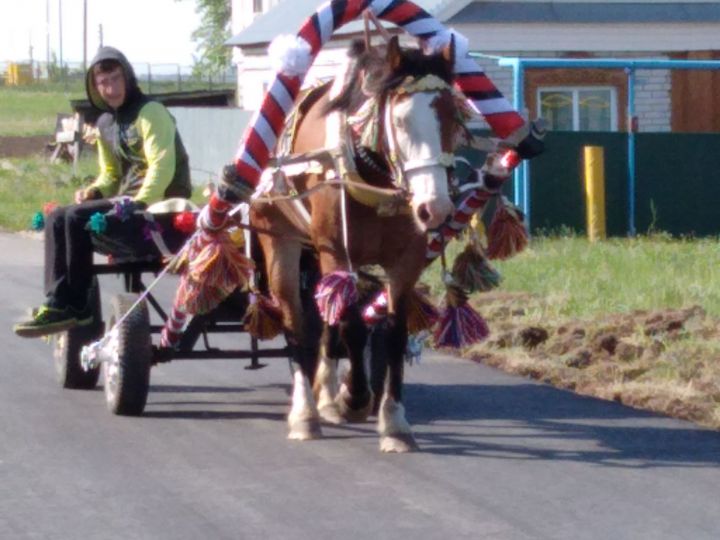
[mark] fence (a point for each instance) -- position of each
(153, 77)
(676, 191)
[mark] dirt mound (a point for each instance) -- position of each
(660, 360)
(18, 147)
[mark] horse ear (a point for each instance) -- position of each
(394, 54)
(448, 52)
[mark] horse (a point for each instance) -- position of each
(407, 99)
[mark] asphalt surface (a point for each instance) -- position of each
(501, 457)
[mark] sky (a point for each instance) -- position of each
(147, 31)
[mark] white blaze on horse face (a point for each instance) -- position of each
(419, 147)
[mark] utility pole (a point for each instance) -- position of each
(62, 67)
(47, 37)
(100, 34)
(84, 35)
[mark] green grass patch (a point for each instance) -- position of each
(579, 279)
(27, 184)
(26, 112)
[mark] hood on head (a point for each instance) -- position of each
(110, 53)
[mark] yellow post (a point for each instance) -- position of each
(595, 192)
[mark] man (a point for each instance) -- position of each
(141, 157)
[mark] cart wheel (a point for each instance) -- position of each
(68, 345)
(126, 375)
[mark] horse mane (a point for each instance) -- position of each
(381, 79)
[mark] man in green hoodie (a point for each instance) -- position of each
(142, 161)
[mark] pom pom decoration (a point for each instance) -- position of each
(473, 272)
(422, 315)
(48, 207)
(37, 223)
(376, 310)
(290, 55)
(460, 325)
(184, 222)
(123, 208)
(213, 268)
(334, 293)
(150, 228)
(97, 223)
(263, 318)
(436, 43)
(507, 234)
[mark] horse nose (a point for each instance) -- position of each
(432, 213)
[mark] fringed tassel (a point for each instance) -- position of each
(507, 234)
(171, 332)
(460, 325)
(472, 270)
(422, 315)
(263, 318)
(334, 293)
(376, 310)
(215, 267)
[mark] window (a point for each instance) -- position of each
(579, 108)
(257, 6)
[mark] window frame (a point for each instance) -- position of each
(575, 89)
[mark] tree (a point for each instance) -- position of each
(211, 35)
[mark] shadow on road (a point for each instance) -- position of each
(529, 421)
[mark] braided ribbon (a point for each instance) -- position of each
(260, 137)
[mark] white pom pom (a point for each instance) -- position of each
(290, 55)
(439, 41)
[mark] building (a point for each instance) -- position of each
(571, 99)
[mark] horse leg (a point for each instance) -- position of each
(282, 259)
(395, 432)
(325, 386)
(355, 399)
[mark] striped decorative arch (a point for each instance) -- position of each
(260, 137)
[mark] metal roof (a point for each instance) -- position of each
(288, 16)
(587, 12)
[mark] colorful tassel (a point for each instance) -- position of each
(507, 234)
(123, 208)
(184, 222)
(38, 222)
(48, 207)
(376, 310)
(460, 325)
(335, 292)
(263, 318)
(150, 228)
(214, 268)
(97, 223)
(422, 315)
(473, 272)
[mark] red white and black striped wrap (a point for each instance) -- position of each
(260, 137)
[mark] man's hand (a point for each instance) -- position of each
(87, 194)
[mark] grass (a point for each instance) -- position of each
(32, 110)
(582, 280)
(27, 184)
(26, 112)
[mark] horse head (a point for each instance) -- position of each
(422, 124)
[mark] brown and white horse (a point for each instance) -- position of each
(417, 120)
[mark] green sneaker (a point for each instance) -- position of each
(47, 320)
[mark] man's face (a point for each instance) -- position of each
(111, 87)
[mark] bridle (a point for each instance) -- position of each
(388, 136)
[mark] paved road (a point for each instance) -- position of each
(502, 457)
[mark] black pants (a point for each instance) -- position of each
(69, 247)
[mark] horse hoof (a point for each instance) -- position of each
(354, 410)
(400, 443)
(305, 430)
(331, 414)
